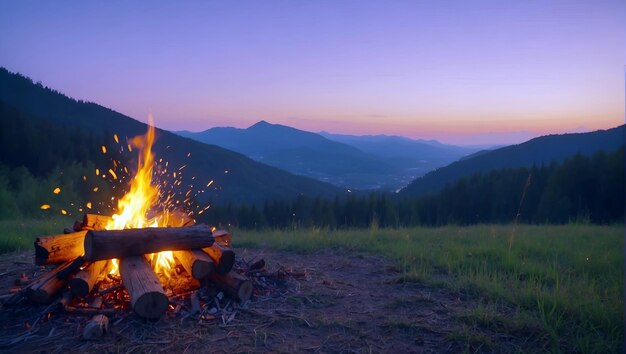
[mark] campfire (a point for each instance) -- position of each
(133, 251)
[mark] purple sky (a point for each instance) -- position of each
(466, 72)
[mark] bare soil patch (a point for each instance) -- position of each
(344, 302)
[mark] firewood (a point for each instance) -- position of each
(147, 296)
(234, 284)
(96, 327)
(223, 257)
(197, 263)
(95, 222)
(84, 280)
(59, 248)
(223, 237)
(49, 284)
(107, 244)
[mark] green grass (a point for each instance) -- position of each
(16, 235)
(564, 282)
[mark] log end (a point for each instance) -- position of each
(41, 255)
(226, 261)
(201, 269)
(151, 305)
(87, 245)
(79, 287)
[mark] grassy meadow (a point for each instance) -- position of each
(562, 286)
(19, 235)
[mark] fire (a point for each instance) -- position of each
(134, 206)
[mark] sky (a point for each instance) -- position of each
(462, 72)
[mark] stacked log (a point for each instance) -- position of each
(147, 296)
(197, 263)
(234, 284)
(83, 252)
(61, 248)
(223, 257)
(82, 283)
(107, 244)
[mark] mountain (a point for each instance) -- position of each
(420, 155)
(236, 177)
(537, 151)
(306, 153)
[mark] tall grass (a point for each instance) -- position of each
(568, 278)
(16, 235)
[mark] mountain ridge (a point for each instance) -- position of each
(236, 177)
(536, 151)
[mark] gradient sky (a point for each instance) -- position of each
(465, 72)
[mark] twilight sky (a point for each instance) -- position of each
(464, 72)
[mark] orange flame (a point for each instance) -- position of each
(134, 206)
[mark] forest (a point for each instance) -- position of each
(580, 189)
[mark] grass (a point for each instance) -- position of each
(18, 235)
(564, 282)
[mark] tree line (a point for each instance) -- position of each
(587, 189)
(38, 156)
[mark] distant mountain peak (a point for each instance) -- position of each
(260, 124)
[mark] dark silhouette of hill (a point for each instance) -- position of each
(305, 153)
(237, 178)
(405, 152)
(537, 151)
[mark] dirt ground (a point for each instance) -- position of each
(338, 302)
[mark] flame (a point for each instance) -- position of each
(114, 266)
(134, 206)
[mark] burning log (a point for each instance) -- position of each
(95, 222)
(83, 281)
(223, 257)
(59, 248)
(147, 296)
(48, 285)
(197, 263)
(107, 244)
(234, 284)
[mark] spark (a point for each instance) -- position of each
(116, 139)
(104, 149)
(57, 190)
(45, 207)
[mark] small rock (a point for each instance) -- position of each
(96, 327)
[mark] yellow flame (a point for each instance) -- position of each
(134, 206)
(164, 262)
(114, 266)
